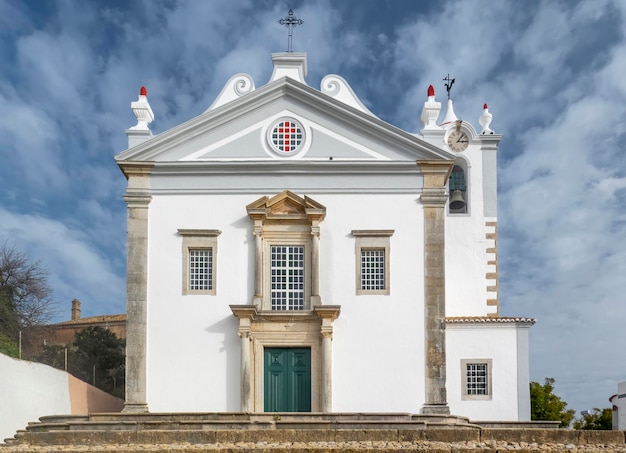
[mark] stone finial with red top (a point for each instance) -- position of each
(430, 111)
(485, 120)
(142, 110)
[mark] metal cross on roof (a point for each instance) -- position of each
(449, 84)
(290, 22)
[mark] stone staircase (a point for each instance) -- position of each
(311, 433)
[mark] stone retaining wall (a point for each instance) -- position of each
(314, 441)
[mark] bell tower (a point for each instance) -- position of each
(471, 211)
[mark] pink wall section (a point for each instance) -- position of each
(85, 398)
(31, 390)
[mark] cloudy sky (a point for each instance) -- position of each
(551, 71)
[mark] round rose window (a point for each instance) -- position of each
(286, 137)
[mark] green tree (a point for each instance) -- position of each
(545, 405)
(53, 355)
(8, 346)
(99, 358)
(596, 419)
(25, 295)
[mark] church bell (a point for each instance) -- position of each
(456, 200)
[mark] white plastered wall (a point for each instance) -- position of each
(466, 249)
(30, 390)
(506, 344)
(193, 348)
(620, 401)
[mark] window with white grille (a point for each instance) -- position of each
(201, 270)
(476, 374)
(287, 277)
(372, 269)
(199, 261)
(372, 248)
(476, 379)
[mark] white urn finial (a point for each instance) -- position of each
(143, 112)
(485, 120)
(430, 111)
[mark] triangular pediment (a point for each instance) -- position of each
(241, 131)
(286, 204)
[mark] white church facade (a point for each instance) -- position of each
(288, 251)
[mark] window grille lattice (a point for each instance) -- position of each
(287, 277)
(477, 379)
(286, 136)
(201, 269)
(373, 269)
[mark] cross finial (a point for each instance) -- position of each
(449, 84)
(290, 22)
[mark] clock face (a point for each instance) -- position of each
(458, 140)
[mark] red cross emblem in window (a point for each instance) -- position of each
(286, 136)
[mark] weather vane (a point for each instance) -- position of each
(290, 22)
(449, 84)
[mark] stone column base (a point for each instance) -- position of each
(135, 408)
(435, 409)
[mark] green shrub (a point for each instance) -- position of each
(8, 346)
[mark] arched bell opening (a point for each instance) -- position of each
(457, 191)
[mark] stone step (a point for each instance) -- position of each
(164, 437)
(217, 421)
(114, 416)
(281, 429)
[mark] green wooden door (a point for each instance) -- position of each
(287, 380)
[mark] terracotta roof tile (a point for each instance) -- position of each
(100, 319)
(488, 320)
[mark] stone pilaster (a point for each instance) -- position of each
(137, 200)
(258, 262)
(245, 372)
(327, 314)
(246, 315)
(434, 198)
(315, 265)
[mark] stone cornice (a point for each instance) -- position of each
(433, 197)
(374, 233)
(321, 167)
(330, 312)
(137, 200)
(131, 168)
(490, 141)
(319, 312)
(436, 173)
(192, 232)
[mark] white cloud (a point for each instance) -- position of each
(77, 269)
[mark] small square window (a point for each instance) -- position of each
(372, 267)
(476, 379)
(199, 264)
